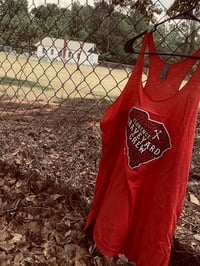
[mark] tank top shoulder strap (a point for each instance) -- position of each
(148, 42)
(147, 46)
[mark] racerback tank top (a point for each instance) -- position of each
(147, 140)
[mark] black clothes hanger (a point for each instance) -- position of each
(128, 47)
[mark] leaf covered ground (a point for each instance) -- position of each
(49, 157)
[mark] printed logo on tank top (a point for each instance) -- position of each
(146, 139)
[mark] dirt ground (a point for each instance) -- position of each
(49, 157)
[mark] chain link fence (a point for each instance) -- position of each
(62, 63)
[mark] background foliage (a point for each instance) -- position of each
(108, 24)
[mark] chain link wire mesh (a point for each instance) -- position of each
(62, 63)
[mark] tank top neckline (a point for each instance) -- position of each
(150, 43)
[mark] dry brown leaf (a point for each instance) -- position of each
(197, 237)
(56, 196)
(18, 258)
(194, 199)
(3, 258)
(31, 198)
(49, 249)
(123, 258)
(3, 235)
(52, 262)
(46, 231)
(34, 226)
(28, 260)
(70, 250)
(7, 245)
(80, 257)
(2, 182)
(97, 261)
(16, 238)
(63, 226)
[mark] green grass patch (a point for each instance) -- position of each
(47, 81)
(20, 82)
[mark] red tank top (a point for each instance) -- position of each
(147, 139)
